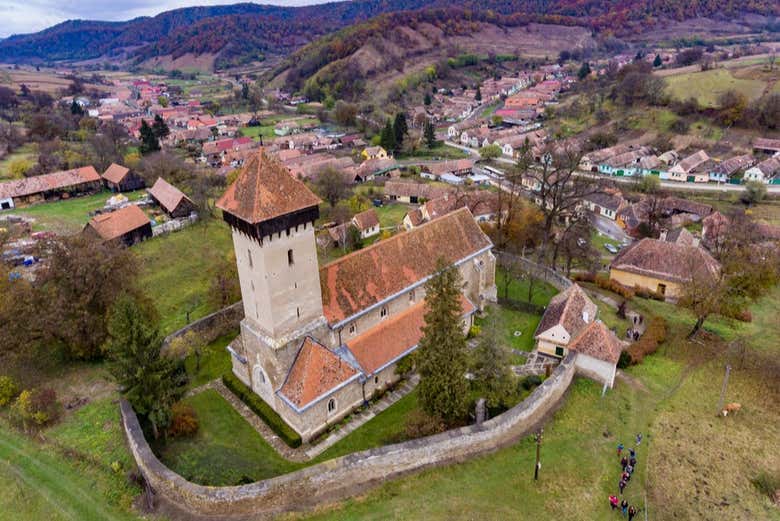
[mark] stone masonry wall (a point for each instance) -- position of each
(349, 475)
(211, 326)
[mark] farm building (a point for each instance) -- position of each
(411, 192)
(127, 225)
(49, 186)
(118, 178)
(766, 145)
(660, 266)
(457, 167)
(171, 199)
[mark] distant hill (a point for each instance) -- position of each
(244, 32)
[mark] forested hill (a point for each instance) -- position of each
(241, 32)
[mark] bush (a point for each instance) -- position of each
(262, 409)
(531, 381)
(8, 390)
(649, 294)
(474, 330)
(624, 360)
(654, 335)
(743, 315)
(584, 277)
(184, 421)
(615, 287)
(35, 408)
(419, 425)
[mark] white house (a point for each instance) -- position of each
(367, 223)
(764, 171)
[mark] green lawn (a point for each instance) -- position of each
(214, 362)
(175, 270)
(68, 216)
(706, 86)
(440, 151)
(518, 289)
(225, 451)
(256, 132)
(28, 152)
(39, 481)
(691, 465)
(391, 215)
(513, 321)
(385, 428)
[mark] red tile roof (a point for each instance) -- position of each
(664, 260)
(599, 342)
(265, 190)
(115, 224)
(47, 182)
(115, 173)
(366, 220)
(568, 309)
(368, 276)
(316, 371)
(167, 195)
(393, 337)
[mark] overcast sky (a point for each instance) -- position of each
(28, 16)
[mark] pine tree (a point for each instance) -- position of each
(151, 382)
(584, 71)
(429, 133)
(427, 100)
(159, 127)
(400, 130)
(76, 109)
(478, 95)
(149, 142)
(658, 61)
(441, 359)
(491, 365)
(387, 137)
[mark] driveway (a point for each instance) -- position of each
(610, 228)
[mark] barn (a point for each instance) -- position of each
(171, 199)
(118, 178)
(127, 225)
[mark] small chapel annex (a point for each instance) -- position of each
(318, 341)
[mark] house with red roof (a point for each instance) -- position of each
(317, 341)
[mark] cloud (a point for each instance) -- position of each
(27, 16)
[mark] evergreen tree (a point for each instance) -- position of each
(427, 100)
(245, 90)
(400, 130)
(76, 109)
(491, 365)
(441, 359)
(584, 71)
(429, 133)
(149, 142)
(151, 382)
(387, 137)
(159, 127)
(478, 95)
(658, 61)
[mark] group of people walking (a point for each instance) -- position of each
(628, 465)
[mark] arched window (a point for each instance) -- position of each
(331, 405)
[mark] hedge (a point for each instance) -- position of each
(262, 409)
(648, 343)
(614, 286)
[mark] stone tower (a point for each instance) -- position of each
(272, 216)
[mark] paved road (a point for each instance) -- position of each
(610, 229)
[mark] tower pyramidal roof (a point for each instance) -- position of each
(264, 190)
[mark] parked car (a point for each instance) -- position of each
(611, 248)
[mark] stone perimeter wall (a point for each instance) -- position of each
(349, 475)
(211, 326)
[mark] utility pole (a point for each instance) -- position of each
(538, 465)
(723, 388)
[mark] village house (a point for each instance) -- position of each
(57, 185)
(127, 226)
(764, 172)
(118, 178)
(376, 152)
(413, 193)
(367, 223)
(725, 170)
(456, 167)
(171, 199)
(692, 169)
(661, 266)
(483, 205)
(766, 146)
(605, 204)
(318, 341)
